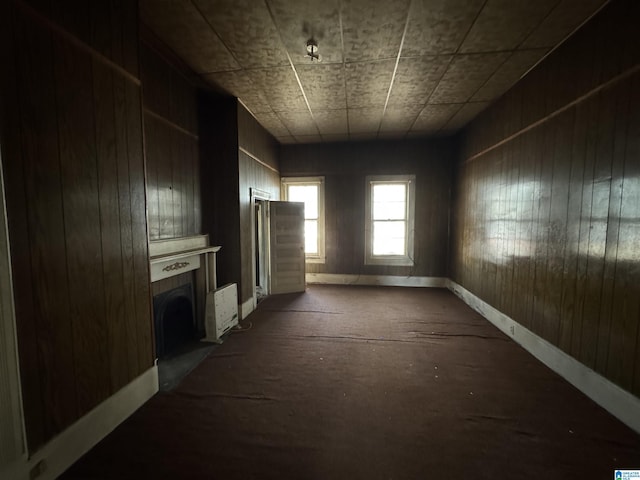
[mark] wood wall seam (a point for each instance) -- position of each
(169, 123)
(57, 29)
(609, 83)
(253, 157)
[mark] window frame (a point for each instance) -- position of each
(319, 181)
(400, 260)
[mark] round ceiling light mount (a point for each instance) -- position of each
(312, 50)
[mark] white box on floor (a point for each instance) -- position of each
(221, 313)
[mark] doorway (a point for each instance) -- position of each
(260, 242)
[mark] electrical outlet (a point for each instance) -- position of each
(512, 330)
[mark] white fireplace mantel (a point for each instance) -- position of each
(179, 255)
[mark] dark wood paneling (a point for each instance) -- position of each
(171, 144)
(257, 169)
(345, 166)
(110, 225)
(81, 210)
(76, 209)
(571, 129)
(219, 181)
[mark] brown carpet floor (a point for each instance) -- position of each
(366, 383)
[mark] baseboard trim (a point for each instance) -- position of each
(372, 280)
(246, 308)
(617, 401)
(60, 453)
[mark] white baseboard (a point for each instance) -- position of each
(617, 401)
(247, 307)
(381, 280)
(60, 453)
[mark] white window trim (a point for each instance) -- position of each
(400, 260)
(285, 182)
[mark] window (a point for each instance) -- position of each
(310, 191)
(389, 220)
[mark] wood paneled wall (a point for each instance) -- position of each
(218, 126)
(172, 156)
(258, 168)
(72, 152)
(546, 223)
(345, 166)
(237, 155)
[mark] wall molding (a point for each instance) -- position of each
(60, 453)
(373, 280)
(594, 91)
(74, 40)
(617, 401)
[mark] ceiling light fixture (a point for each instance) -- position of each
(312, 49)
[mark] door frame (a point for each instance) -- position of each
(262, 196)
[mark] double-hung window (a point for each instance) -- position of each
(310, 191)
(390, 206)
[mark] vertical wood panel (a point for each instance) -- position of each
(69, 207)
(82, 223)
(578, 203)
(46, 226)
(126, 242)
(110, 226)
(139, 227)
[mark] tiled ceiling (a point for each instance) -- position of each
(388, 69)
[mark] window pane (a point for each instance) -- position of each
(307, 194)
(389, 238)
(389, 201)
(311, 237)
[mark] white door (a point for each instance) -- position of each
(286, 234)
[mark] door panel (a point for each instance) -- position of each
(286, 231)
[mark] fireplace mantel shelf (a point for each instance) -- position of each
(185, 253)
(174, 256)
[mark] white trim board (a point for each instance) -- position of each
(60, 453)
(617, 401)
(373, 280)
(247, 307)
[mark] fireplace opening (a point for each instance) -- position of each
(174, 319)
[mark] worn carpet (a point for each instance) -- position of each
(366, 383)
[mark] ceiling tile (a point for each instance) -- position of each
(504, 24)
(298, 123)
(246, 28)
(272, 123)
(416, 78)
(399, 119)
(238, 84)
(465, 75)
(439, 26)
(508, 73)
(373, 30)
(363, 120)
(288, 140)
(331, 121)
(434, 117)
(565, 18)
(323, 85)
(301, 20)
(464, 115)
(280, 88)
(181, 26)
(368, 83)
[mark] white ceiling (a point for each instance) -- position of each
(389, 69)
